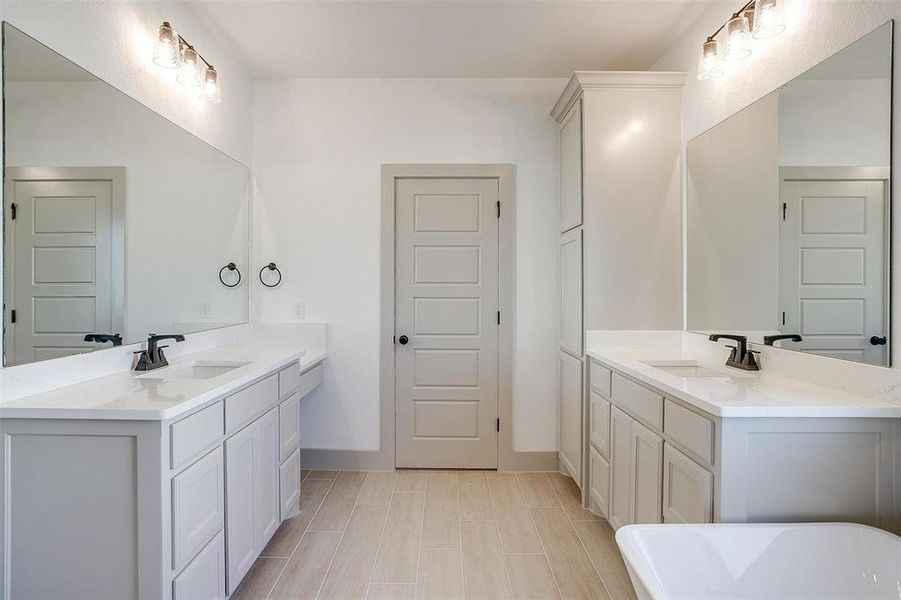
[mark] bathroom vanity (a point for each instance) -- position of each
(677, 437)
(166, 484)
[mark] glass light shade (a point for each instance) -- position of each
(189, 71)
(768, 19)
(166, 52)
(209, 91)
(709, 66)
(738, 39)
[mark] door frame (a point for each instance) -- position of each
(117, 178)
(841, 173)
(505, 174)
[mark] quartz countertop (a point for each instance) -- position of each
(131, 395)
(740, 393)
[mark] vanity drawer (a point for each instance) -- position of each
(310, 379)
(198, 507)
(288, 380)
(643, 403)
(599, 378)
(289, 480)
(192, 435)
(205, 576)
(252, 401)
(289, 425)
(600, 424)
(689, 429)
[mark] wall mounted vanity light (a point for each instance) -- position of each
(756, 20)
(172, 51)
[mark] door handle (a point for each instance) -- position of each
(402, 340)
(878, 341)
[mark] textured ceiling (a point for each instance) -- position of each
(460, 38)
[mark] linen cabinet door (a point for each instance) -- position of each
(240, 463)
(620, 503)
(267, 505)
(647, 475)
(571, 292)
(571, 170)
(571, 415)
(687, 489)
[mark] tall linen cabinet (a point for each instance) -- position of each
(620, 230)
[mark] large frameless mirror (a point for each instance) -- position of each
(116, 221)
(788, 208)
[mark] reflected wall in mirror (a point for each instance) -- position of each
(117, 221)
(788, 211)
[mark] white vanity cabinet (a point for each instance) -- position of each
(620, 141)
(659, 459)
(174, 508)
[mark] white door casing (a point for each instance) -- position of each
(834, 261)
(65, 250)
(446, 304)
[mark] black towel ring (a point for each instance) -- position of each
(271, 266)
(231, 267)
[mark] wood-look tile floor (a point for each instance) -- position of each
(438, 534)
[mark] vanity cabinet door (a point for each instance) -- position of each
(239, 509)
(599, 484)
(620, 503)
(687, 489)
(647, 475)
(571, 292)
(267, 500)
(571, 415)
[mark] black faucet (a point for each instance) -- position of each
(153, 357)
(101, 338)
(769, 339)
(741, 357)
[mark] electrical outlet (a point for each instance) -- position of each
(206, 310)
(300, 310)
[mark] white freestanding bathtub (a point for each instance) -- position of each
(785, 561)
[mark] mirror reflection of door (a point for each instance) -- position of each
(833, 237)
(65, 259)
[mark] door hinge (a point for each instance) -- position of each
(14, 210)
(498, 317)
(784, 208)
(498, 209)
(498, 424)
(12, 316)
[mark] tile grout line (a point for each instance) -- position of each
(341, 539)
(497, 530)
(303, 535)
(582, 544)
(541, 541)
(425, 497)
(378, 547)
(460, 530)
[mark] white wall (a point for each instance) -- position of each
(816, 29)
(318, 147)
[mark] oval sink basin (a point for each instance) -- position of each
(197, 369)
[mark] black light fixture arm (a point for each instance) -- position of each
(199, 55)
(747, 5)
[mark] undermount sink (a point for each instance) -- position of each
(197, 369)
(685, 368)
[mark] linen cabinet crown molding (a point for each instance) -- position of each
(599, 80)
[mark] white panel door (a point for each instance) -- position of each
(571, 292)
(61, 267)
(446, 315)
(833, 267)
(571, 170)
(571, 415)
